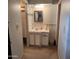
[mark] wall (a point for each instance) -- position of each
(49, 17)
(49, 12)
(24, 19)
(24, 28)
(63, 42)
(15, 28)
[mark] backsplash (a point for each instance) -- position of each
(39, 26)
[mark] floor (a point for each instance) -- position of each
(40, 53)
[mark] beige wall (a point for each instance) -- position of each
(23, 18)
(49, 12)
(49, 17)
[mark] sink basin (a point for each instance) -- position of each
(39, 30)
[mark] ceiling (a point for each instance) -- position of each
(42, 1)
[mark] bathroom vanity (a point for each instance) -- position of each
(40, 15)
(39, 32)
(39, 38)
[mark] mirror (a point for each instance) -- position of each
(38, 16)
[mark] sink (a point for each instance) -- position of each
(39, 30)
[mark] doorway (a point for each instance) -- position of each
(33, 51)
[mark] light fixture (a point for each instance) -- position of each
(39, 5)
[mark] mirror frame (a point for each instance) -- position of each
(38, 16)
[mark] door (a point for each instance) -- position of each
(37, 39)
(63, 41)
(9, 47)
(15, 29)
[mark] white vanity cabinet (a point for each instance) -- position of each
(35, 38)
(45, 39)
(39, 38)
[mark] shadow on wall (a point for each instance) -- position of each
(52, 34)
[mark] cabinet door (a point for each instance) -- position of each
(31, 39)
(37, 39)
(15, 29)
(45, 39)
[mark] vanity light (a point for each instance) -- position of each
(39, 5)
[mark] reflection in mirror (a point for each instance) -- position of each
(38, 16)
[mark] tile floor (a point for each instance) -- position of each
(40, 53)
